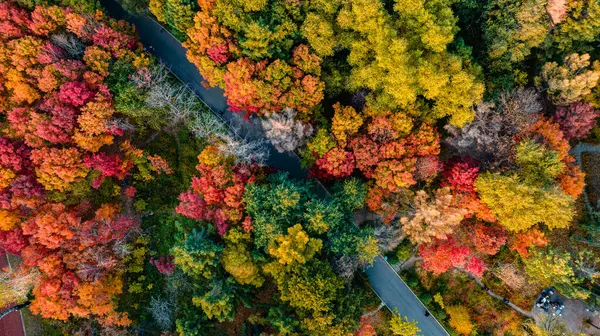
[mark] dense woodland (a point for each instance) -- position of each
(436, 132)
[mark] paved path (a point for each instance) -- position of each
(397, 295)
(11, 324)
(172, 54)
(576, 152)
(384, 281)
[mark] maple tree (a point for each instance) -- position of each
(56, 113)
(442, 255)
(386, 151)
(488, 239)
(217, 194)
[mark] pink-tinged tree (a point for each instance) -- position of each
(576, 119)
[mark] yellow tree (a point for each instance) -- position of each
(295, 247)
(551, 268)
(460, 319)
(519, 206)
(402, 326)
(571, 81)
(238, 261)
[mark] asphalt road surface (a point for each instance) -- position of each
(171, 53)
(397, 295)
(385, 282)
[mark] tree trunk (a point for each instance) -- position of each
(409, 263)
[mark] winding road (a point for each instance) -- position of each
(386, 283)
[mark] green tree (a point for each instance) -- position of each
(199, 255)
(580, 28)
(274, 207)
(217, 302)
(131, 102)
(139, 7)
(513, 29)
(321, 216)
(351, 194)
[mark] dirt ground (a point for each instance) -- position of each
(572, 317)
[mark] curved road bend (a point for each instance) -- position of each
(390, 288)
(11, 324)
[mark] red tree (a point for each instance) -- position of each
(488, 239)
(216, 194)
(443, 255)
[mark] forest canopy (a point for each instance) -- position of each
(453, 138)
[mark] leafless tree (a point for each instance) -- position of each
(206, 124)
(241, 140)
(162, 312)
(70, 44)
(99, 259)
(359, 99)
(180, 103)
(551, 323)
(121, 124)
(16, 284)
(389, 235)
(490, 137)
(284, 131)
(345, 266)
(244, 142)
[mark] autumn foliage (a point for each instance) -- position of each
(56, 112)
(216, 194)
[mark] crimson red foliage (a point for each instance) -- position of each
(13, 241)
(460, 176)
(164, 265)
(75, 93)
